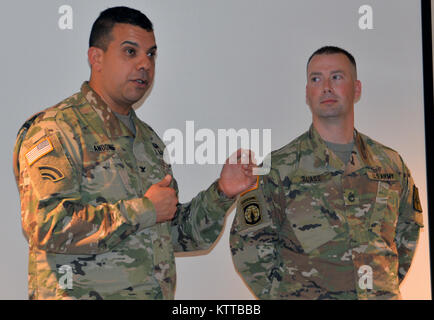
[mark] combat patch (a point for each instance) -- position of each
(39, 150)
(416, 202)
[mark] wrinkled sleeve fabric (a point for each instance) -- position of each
(198, 223)
(255, 244)
(55, 216)
(410, 221)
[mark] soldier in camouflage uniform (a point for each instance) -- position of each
(329, 223)
(97, 198)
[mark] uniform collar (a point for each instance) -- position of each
(361, 155)
(111, 124)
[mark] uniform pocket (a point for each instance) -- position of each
(105, 179)
(306, 211)
(385, 212)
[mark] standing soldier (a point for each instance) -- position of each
(338, 217)
(97, 199)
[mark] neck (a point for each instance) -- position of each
(335, 132)
(121, 109)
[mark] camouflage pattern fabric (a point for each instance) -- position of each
(315, 228)
(82, 175)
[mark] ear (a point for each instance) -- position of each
(306, 95)
(95, 56)
(358, 91)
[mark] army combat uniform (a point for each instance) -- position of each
(82, 176)
(315, 228)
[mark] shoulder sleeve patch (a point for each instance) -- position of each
(49, 169)
(251, 211)
(39, 150)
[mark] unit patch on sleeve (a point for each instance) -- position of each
(251, 210)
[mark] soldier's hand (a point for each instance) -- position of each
(236, 175)
(163, 198)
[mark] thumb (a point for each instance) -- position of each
(165, 181)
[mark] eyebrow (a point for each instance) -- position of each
(320, 73)
(135, 44)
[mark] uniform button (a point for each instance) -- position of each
(351, 197)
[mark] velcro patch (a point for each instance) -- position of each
(416, 202)
(38, 151)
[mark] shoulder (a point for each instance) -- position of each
(286, 158)
(382, 154)
(151, 134)
(47, 120)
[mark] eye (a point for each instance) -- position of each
(130, 51)
(152, 54)
(315, 79)
(337, 77)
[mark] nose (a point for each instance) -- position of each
(327, 86)
(144, 63)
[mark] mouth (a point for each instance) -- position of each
(142, 83)
(329, 101)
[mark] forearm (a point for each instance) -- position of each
(257, 259)
(198, 223)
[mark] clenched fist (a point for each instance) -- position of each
(163, 198)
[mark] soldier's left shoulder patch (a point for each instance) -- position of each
(251, 209)
(416, 202)
(39, 150)
(252, 213)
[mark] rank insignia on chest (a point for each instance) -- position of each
(251, 210)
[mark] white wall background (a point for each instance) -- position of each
(223, 64)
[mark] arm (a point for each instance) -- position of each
(409, 223)
(56, 217)
(255, 245)
(198, 223)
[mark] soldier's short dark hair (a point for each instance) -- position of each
(100, 35)
(333, 50)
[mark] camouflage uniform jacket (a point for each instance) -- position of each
(82, 176)
(315, 228)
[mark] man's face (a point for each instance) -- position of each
(126, 69)
(332, 87)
